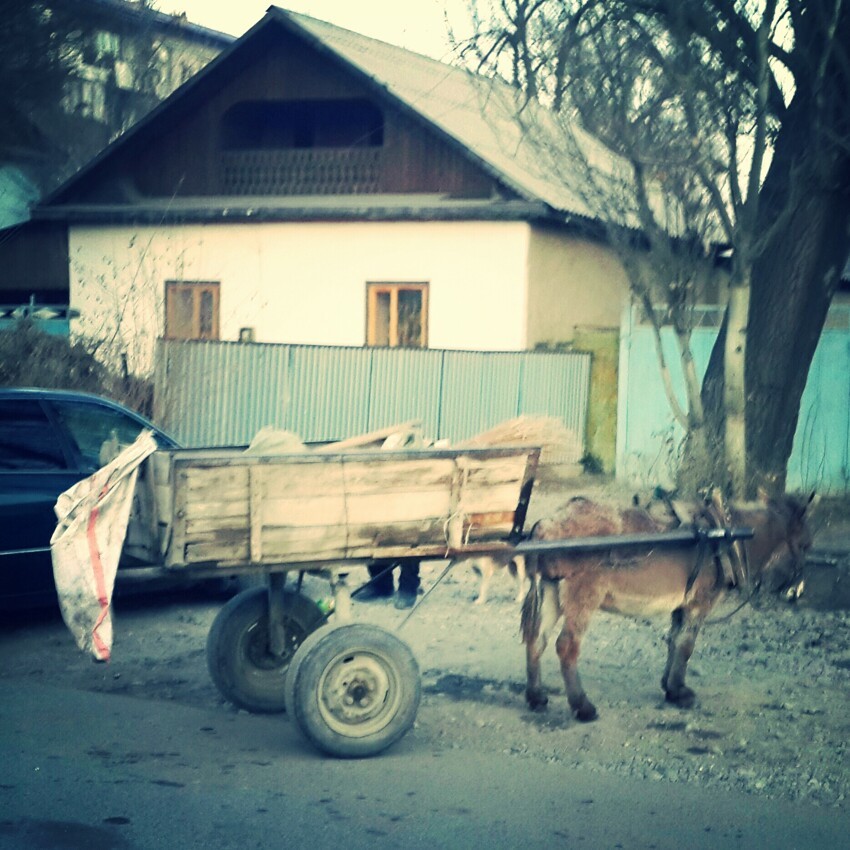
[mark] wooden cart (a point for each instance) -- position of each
(352, 688)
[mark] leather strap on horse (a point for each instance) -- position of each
(729, 556)
(733, 558)
(700, 560)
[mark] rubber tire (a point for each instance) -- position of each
(244, 673)
(322, 665)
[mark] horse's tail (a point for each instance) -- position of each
(531, 605)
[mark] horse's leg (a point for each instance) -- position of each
(578, 605)
(540, 612)
(485, 569)
(521, 580)
(684, 628)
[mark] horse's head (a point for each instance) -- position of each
(781, 541)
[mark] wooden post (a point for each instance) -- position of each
(255, 512)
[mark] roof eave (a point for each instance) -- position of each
(226, 214)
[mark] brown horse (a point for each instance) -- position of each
(687, 579)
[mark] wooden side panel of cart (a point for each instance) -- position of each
(231, 510)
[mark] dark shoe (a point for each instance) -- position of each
(369, 594)
(405, 600)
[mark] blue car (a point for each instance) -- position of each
(49, 440)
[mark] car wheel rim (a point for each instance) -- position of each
(255, 646)
(359, 693)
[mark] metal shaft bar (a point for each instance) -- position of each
(619, 541)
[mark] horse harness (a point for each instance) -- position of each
(729, 555)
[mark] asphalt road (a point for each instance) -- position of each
(97, 771)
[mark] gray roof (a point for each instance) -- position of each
(477, 111)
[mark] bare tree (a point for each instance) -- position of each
(727, 123)
(32, 68)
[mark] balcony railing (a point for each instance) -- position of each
(311, 171)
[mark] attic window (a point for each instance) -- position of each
(292, 125)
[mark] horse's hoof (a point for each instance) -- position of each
(537, 701)
(586, 712)
(586, 715)
(683, 698)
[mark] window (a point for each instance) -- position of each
(106, 44)
(397, 315)
(290, 125)
(90, 425)
(27, 439)
(191, 309)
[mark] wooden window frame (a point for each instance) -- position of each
(373, 290)
(196, 287)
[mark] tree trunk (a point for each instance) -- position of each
(703, 462)
(734, 385)
(803, 262)
(804, 227)
(793, 281)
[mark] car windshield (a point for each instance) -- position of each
(91, 426)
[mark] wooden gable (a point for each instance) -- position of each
(280, 116)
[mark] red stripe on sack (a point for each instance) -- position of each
(99, 579)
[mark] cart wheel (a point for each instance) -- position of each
(238, 656)
(353, 689)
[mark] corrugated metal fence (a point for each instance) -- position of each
(222, 393)
(648, 441)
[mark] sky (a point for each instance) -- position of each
(417, 25)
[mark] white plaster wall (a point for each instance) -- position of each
(572, 283)
(304, 282)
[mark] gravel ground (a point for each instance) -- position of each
(772, 681)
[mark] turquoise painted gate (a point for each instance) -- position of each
(648, 440)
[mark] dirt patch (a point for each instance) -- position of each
(773, 682)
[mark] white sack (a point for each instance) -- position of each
(86, 545)
(275, 441)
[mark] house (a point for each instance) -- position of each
(122, 58)
(311, 185)
(314, 185)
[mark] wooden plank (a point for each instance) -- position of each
(386, 474)
(485, 499)
(372, 437)
(287, 544)
(211, 523)
(454, 519)
(225, 535)
(298, 480)
(256, 487)
(483, 472)
(204, 552)
(163, 506)
(202, 510)
(218, 480)
(419, 533)
(487, 530)
(325, 510)
(195, 458)
(494, 519)
(175, 551)
(306, 543)
(394, 508)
